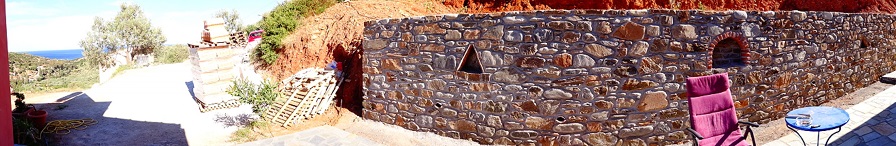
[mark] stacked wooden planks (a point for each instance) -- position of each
(310, 92)
(213, 70)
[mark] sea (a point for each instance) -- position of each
(59, 54)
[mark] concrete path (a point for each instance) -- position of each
(145, 106)
(319, 136)
(871, 123)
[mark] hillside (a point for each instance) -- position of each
(29, 73)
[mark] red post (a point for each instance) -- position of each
(6, 138)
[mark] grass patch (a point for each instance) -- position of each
(33, 74)
(123, 68)
(280, 22)
(172, 54)
(254, 131)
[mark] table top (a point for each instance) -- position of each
(826, 118)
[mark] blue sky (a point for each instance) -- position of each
(35, 25)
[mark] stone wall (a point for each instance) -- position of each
(602, 77)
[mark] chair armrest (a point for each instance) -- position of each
(694, 132)
(751, 124)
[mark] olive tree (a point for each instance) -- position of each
(130, 31)
(231, 20)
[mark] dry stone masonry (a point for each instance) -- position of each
(606, 77)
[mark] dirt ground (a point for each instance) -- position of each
(375, 131)
(776, 129)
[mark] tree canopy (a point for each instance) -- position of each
(231, 20)
(129, 31)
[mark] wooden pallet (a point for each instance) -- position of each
(311, 92)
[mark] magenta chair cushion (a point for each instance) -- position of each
(712, 110)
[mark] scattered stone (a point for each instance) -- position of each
(494, 33)
(650, 65)
(653, 30)
(539, 123)
(560, 25)
(684, 31)
(523, 134)
(653, 101)
(471, 34)
(514, 19)
(530, 62)
(798, 16)
(452, 35)
(635, 131)
(600, 116)
(557, 94)
(638, 49)
(570, 37)
(739, 15)
(714, 30)
(513, 36)
(583, 60)
(375, 44)
(563, 60)
(569, 128)
(598, 50)
(392, 64)
(631, 31)
(751, 30)
(600, 138)
(603, 27)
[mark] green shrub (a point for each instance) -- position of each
(281, 21)
(260, 96)
(172, 54)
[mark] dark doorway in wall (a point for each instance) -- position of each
(727, 53)
(470, 62)
(349, 94)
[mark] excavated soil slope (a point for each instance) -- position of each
(851, 6)
(335, 34)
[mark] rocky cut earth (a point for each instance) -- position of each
(604, 77)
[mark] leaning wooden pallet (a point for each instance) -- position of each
(283, 106)
(329, 99)
(307, 102)
(312, 90)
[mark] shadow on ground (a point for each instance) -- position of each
(877, 131)
(108, 130)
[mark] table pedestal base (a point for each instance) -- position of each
(817, 139)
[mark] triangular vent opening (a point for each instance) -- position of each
(470, 62)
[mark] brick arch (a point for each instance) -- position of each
(737, 37)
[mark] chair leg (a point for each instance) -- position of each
(751, 135)
(695, 141)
